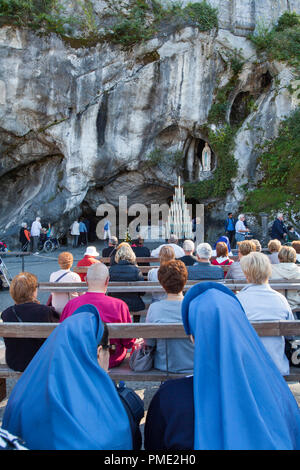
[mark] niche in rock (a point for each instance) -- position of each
(199, 159)
(241, 108)
(265, 80)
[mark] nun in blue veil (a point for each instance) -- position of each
(223, 239)
(64, 400)
(237, 398)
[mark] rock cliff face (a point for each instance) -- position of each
(77, 126)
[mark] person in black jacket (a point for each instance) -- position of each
(188, 247)
(23, 290)
(124, 270)
(141, 251)
(279, 230)
(111, 248)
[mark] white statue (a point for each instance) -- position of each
(206, 158)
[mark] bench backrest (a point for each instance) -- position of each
(149, 287)
(142, 330)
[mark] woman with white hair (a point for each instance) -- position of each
(262, 303)
(24, 236)
(240, 228)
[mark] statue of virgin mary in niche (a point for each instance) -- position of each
(206, 158)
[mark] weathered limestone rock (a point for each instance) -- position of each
(78, 125)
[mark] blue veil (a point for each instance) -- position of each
(241, 400)
(64, 400)
(225, 240)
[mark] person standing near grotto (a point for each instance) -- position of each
(230, 227)
(35, 234)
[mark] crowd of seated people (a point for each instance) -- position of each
(84, 397)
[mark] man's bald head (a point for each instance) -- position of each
(97, 277)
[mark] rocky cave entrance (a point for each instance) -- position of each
(196, 165)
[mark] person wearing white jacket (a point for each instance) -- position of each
(75, 232)
(173, 242)
(288, 270)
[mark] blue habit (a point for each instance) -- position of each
(241, 401)
(225, 240)
(64, 400)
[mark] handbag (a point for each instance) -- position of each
(142, 357)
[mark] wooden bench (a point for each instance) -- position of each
(150, 287)
(144, 269)
(136, 330)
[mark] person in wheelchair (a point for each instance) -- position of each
(48, 242)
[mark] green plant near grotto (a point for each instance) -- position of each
(279, 163)
(282, 41)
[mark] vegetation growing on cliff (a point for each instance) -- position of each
(280, 166)
(282, 41)
(48, 15)
(128, 24)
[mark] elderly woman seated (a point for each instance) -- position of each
(23, 290)
(261, 303)
(244, 248)
(166, 254)
(60, 299)
(288, 270)
(124, 270)
(274, 248)
(174, 355)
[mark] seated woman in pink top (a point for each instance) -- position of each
(111, 310)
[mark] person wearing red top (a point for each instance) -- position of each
(222, 258)
(88, 259)
(111, 310)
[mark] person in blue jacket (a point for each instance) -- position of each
(236, 399)
(64, 400)
(230, 227)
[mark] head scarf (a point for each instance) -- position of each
(223, 239)
(241, 400)
(64, 400)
